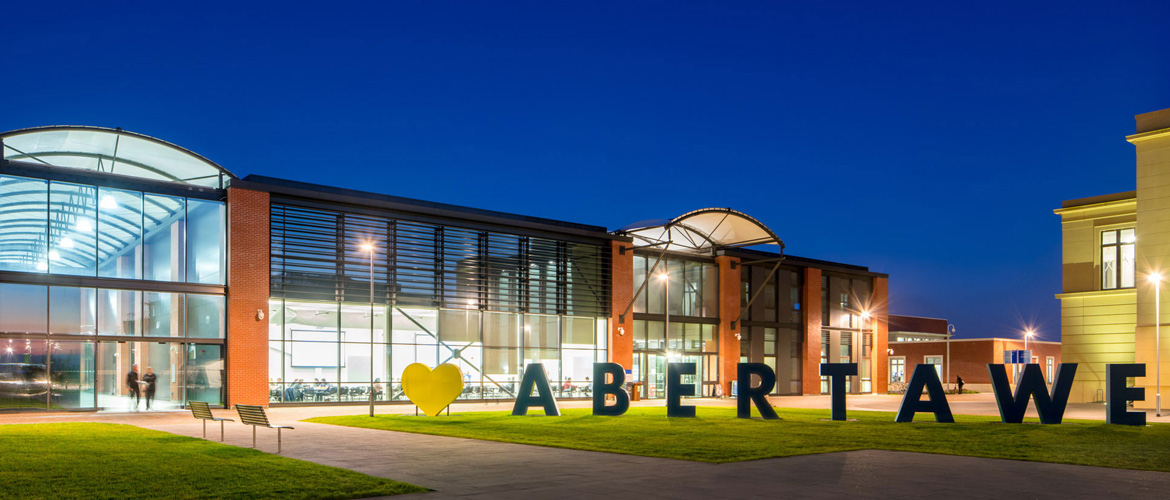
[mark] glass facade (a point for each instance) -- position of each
(320, 351)
(772, 331)
(80, 230)
(488, 301)
(90, 269)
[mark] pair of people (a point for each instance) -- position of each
(133, 383)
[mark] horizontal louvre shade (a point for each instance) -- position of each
(317, 255)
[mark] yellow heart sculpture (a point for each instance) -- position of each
(431, 391)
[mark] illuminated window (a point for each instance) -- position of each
(1117, 257)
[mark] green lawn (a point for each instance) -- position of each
(85, 460)
(717, 436)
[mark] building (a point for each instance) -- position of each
(968, 359)
(118, 249)
(1111, 245)
(917, 328)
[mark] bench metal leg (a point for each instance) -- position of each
(204, 429)
(278, 441)
(253, 436)
(220, 430)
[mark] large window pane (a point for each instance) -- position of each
(355, 323)
(639, 277)
(23, 308)
(541, 331)
(501, 329)
(24, 216)
(501, 368)
(676, 285)
(692, 289)
(206, 241)
(1127, 265)
(579, 333)
(163, 314)
(415, 326)
(205, 373)
(163, 227)
(119, 312)
(119, 233)
(73, 229)
(71, 372)
(710, 290)
(205, 316)
(72, 310)
(458, 327)
(25, 369)
(577, 366)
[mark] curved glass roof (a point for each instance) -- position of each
(113, 151)
(704, 231)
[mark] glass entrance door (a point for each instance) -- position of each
(650, 370)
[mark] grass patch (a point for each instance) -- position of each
(717, 436)
(112, 461)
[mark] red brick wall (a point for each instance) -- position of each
(810, 301)
(969, 358)
(879, 321)
(729, 307)
(621, 347)
(248, 275)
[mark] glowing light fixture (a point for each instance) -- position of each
(84, 225)
(108, 202)
(42, 266)
(66, 242)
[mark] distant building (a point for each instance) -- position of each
(1111, 244)
(915, 340)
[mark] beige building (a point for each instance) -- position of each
(1111, 245)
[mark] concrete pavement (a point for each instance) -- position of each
(463, 468)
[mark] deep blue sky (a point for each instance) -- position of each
(929, 141)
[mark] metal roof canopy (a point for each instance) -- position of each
(704, 231)
(112, 150)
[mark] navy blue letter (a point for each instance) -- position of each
(837, 373)
(534, 377)
(925, 375)
(675, 389)
(601, 389)
(748, 395)
(1117, 394)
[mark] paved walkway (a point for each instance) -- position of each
(466, 468)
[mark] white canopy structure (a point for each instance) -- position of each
(113, 151)
(704, 231)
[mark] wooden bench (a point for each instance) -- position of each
(202, 411)
(254, 416)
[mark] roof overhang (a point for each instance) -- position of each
(704, 231)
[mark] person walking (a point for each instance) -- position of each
(150, 379)
(132, 385)
(960, 380)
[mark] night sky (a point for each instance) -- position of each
(927, 141)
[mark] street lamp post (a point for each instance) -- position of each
(369, 247)
(1020, 371)
(950, 332)
(1156, 279)
(861, 342)
(665, 309)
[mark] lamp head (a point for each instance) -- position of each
(1154, 277)
(662, 276)
(864, 314)
(1029, 333)
(367, 247)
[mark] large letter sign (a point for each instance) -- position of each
(601, 389)
(837, 373)
(1050, 409)
(675, 389)
(1117, 394)
(534, 377)
(748, 395)
(925, 375)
